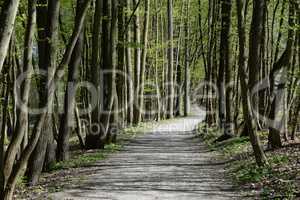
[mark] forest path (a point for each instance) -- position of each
(168, 163)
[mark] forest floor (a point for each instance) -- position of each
(280, 179)
(168, 162)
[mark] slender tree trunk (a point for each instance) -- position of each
(36, 132)
(158, 96)
(187, 63)
(7, 19)
(129, 67)
(137, 65)
(279, 103)
(67, 119)
(144, 57)
(37, 159)
(170, 84)
(5, 91)
(253, 64)
(121, 69)
(224, 69)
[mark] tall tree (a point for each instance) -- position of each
(129, 68)
(7, 19)
(224, 69)
(91, 137)
(187, 62)
(170, 83)
(12, 169)
(144, 57)
(278, 85)
(48, 66)
(137, 62)
(67, 119)
(254, 65)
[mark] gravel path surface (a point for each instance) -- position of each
(168, 163)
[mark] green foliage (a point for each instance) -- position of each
(235, 145)
(273, 182)
(80, 161)
(253, 173)
(112, 148)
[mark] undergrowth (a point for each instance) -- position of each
(273, 181)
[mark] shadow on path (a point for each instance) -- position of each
(168, 163)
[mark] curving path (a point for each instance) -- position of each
(168, 163)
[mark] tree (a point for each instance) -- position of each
(170, 83)
(279, 103)
(254, 64)
(137, 63)
(224, 69)
(12, 169)
(187, 63)
(143, 61)
(7, 19)
(67, 119)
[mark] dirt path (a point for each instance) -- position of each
(168, 163)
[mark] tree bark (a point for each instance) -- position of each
(253, 64)
(143, 61)
(187, 63)
(137, 65)
(17, 168)
(67, 120)
(279, 103)
(170, 84)
(7, 19)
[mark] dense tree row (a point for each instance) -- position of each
(264, 72)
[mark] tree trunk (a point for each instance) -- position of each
(67, 120)
(170, 84)
(37, 159)
(137, 66)
(253, 64)
(187, 63)
(129, 78)
(279, 103)
(36, 132)
(143, 61)
(7, 19)
(224, 69)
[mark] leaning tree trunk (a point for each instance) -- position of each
(36, 132)
(37, 159)
(67, 120)
(279, 104)
(7, 20)
(22, 114)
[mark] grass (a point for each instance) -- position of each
(89, 158)
(79, 161)
(86, 159)
(274, 181)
